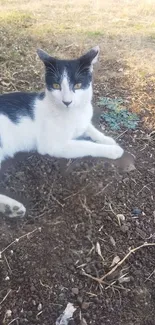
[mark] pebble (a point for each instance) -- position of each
(124, 228)
(34, 302)
(29, 313)
(88, 259)
(7, 278)
(40, 306)
(32, 288)
(8, 313)
(75, 291)
(79, 299)
(136, 211)
(87, 269)
(85, 305)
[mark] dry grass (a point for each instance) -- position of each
(124, 29)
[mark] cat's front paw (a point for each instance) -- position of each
(108, 140)
(15, 209)
(116, 152)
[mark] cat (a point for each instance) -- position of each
(52, 121)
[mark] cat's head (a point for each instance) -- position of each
(69, 82)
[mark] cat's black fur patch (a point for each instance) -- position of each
(78, 71)
(18, 104)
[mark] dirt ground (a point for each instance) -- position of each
(82, 216)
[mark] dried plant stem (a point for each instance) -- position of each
(133, 250)
(17, 239)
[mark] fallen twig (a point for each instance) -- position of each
(125, 257)
(101, 280)
(17, 239)
(5, 296)
(13, 320)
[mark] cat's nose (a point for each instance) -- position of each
(67, 103)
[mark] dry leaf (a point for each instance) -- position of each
(123, 279)
(112, 241)
(120, 218)
(115, 261)
(98, 250)
(130, 168)
(64, 318)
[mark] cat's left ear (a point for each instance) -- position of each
(45, 57)
(91, 57)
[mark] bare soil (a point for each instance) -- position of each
(70, 212)
(73, 209)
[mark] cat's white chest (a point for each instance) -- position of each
(57, 127)
(69, 124)
(77, 122)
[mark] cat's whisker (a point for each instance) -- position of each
(81, 71)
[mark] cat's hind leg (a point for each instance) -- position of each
(10, 207)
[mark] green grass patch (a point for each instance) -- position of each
(94, 33)
(19, 18)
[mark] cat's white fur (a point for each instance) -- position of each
(54, 131)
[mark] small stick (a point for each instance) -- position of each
(13, 320)
(7, 264)
(71, 195)
(114, 214)
(120, 135)
(124, 259)
(5, 297)
(101, 191)
(17, 239)
(100, 280)
(84, 205)
(150, 276)
(56, 200)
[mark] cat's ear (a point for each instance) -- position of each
(45, 57)
(91, 57)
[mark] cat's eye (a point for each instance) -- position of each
(56, 86)
(77, 86)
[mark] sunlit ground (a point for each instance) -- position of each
(125, 31)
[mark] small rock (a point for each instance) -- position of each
(88, 259)
(79, 299)
(34, 302)
(85, 305)
(75, 291)
(8, 313)
(29, 313)
(87, 269)
(112, 241)
(7, 278)
(32, 288)
(136, 211)
(40, 306)
(125, 228)
(62, 296)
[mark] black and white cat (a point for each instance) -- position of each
(51, 122)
